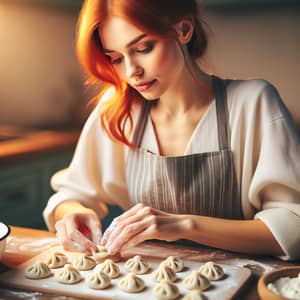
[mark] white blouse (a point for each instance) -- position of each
(266, 151)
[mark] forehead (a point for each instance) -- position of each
(115, 33)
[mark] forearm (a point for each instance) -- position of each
(245, 236)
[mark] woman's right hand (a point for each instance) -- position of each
(79, 229)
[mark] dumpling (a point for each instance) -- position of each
(131, 283)
(56, 260)
(164, 272)
(194, 295)
(137, 265)
(175, 263)
(68, 275)
(110, 268)
(38, 270)
(211, 270)
(166, 290)
(84, 262)
(102, 255)
(196, 281)
(98, 280)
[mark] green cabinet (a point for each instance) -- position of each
(25, 188)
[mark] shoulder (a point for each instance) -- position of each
(255, 96)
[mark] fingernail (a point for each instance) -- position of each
(111, 251)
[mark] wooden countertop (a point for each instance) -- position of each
(24, 243)
(38, 143)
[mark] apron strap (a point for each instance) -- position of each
(141, 123)
(219, 87)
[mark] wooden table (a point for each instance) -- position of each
(24, 243)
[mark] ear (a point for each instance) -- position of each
(184, 29)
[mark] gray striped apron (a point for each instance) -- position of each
(201, 183)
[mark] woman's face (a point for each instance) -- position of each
(149, 64)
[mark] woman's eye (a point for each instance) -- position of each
(115, 61)
(145, 48)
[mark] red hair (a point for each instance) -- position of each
(155, 17)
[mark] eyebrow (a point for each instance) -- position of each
(134, 41)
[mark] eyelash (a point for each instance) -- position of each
(147, 48)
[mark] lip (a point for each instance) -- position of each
(144, 86)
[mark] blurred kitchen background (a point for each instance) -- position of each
(43, 99)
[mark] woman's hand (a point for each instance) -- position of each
(79, 231)
(142, 223)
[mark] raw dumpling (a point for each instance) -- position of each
(98, 280)
(110, 268)
(175, 263)
(38, 270)
(131, 283)
(194, 295)
(84, 262)
(196, 281)
(56, 260)
(68, 274)
(164, 272)
(212, 271)
(136, 265)
(102, 255)
(166, 290)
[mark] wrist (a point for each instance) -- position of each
(188, 226)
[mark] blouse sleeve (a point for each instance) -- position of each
(274, 189)
(95, 175)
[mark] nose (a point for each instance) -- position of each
(133, 69)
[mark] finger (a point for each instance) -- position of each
(118, 228)
(96, 230)
(147, 234)
(127, 234)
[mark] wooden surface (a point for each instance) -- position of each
(39, 143)
(25, 243)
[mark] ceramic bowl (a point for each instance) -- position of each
(264, 292)
(4, 232)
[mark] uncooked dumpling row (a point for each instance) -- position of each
(98, 280)
(136, 265)
(175, 263)
(68, 275)
(194, 295)
(110, 268)
(212, 271)
(131, 283)
(163, 272)
(56, 260)
(166, 290)
(84, 262)
(38, 270)
(196, 281)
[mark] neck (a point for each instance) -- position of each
(191, 91)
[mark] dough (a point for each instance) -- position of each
(166, 290)
(102, 255)
(212, 271)
(131, 283)
(164, 272)
(84, 262)
(194, 295)
(175, 263)
(38, 270)
(68, 275)
(110, 268)
(98, 280)
(136, 265)
(56, 260)
(196, 281)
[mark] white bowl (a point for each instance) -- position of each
(4, 232)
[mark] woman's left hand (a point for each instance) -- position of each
(142, 223)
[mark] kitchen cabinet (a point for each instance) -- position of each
(25, 188)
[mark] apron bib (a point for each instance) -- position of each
(200, 184)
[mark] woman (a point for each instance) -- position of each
(187, 154)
